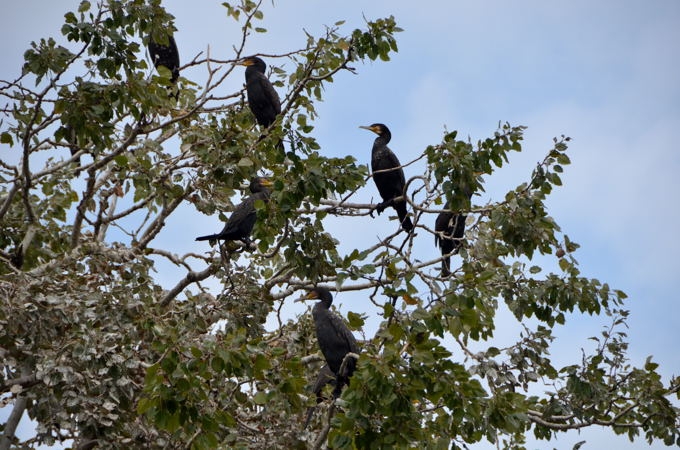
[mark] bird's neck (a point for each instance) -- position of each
(381, 142)
(383, 139)
(263, 194)
(252, 70)
(380, 147)
(323, 304)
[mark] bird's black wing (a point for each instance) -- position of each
(384, 158)
(335, 339)
(443, 225)
(394, 162)
(240, 222)
(458, 224)
(391, 182)
(452, 229)
(166, 56)
(263, 99)
(271, 94)
(348, 340)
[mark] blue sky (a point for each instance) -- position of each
(605, 73)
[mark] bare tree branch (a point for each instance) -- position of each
(15, 416)
(191, 277)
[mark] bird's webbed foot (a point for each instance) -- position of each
(247, 243)
(380, 207)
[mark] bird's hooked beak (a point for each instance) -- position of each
(311, 295)
(370, 128)
(266, 182)
(246, 62)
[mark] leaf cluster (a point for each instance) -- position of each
(99, 347)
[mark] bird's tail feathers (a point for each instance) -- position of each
(208, 237)
(407, 225)
(405, 220)
(446, 264)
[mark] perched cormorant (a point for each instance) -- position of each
(166, 56)
(262, 98)
(390, 183)
(335, 339)
(452, 228)
(241, 222)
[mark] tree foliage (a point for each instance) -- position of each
(96, 350)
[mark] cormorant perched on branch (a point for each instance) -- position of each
(166, 56)
(241, 222)
(390, 183)
(335, 339)
(452, 228)
(262, 98)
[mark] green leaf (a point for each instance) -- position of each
(356, 321)
(217, 364)
(650, 366)
(145, 404)
(261, 363)
(245, 162)
(260, 398)
(121, 160)
(578, 445)
(6, 138)
(564, 264)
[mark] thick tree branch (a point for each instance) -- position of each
(25, 382)
(14, 418)
(323, 434)
(8, 199)
(12, 422)
(191, 277)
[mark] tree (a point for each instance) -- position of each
(97, 351)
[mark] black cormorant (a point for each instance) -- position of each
(390, 183)
(335, 339)
(262, 97)
(242, 220)
(452, 228)
(166, 56)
